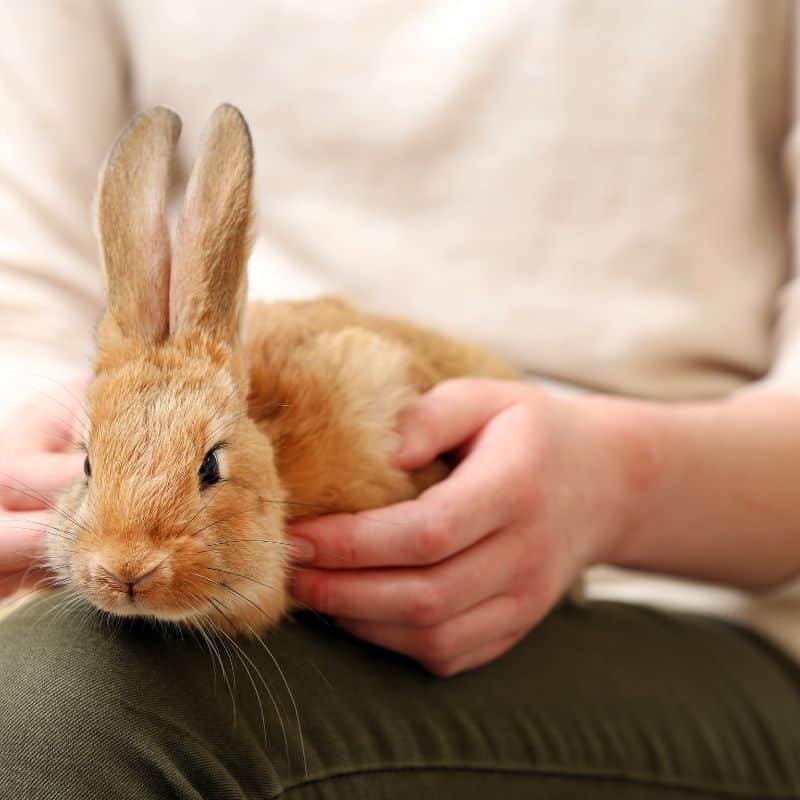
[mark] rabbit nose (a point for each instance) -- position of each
(127, 577)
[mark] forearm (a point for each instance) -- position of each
(710, 490)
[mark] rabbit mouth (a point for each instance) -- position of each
(131, 588)
(142, 603)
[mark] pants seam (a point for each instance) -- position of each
(633, 778)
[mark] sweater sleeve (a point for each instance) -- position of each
(63, 95)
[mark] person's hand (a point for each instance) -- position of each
(457, 576)
(38, 460)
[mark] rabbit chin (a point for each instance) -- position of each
(150, 604)
(139, 608)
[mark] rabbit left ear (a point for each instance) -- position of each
(132, 226)
(212, 245)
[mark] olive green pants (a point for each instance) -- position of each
(604, 701)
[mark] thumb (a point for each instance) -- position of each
(449, 415)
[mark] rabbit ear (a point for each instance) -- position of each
(208, 280)
(132, 226)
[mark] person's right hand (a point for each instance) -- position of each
(38, 460)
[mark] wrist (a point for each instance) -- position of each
(635, 441)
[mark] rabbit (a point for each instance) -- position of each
(212, 424)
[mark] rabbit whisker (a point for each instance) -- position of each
(270, 619)
(290, 693)
(196, 631)
(268, 586)
(225, 519)
(215, 649)
(73, 600)
(278, 542)
(194, 517)
(242, 656)
(30, 492)
(68, 389)
(207, 620)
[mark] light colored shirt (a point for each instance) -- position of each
(600, 192)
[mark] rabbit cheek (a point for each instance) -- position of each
(246, 586)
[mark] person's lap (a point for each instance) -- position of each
(602, 701)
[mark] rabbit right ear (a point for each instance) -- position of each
(132, 226)
(212, 244)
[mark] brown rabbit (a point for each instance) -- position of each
(209, 427)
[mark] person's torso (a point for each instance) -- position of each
(592, 189)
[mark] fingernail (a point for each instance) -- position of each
(303, 550)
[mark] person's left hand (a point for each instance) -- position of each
(38, 461)
(457, 576)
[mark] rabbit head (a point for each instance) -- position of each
(179, 516)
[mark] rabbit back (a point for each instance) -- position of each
(326, 385)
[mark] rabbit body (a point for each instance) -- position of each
(326, 385)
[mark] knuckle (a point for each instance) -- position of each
(523, 574)
(436, 401)
(516, 612)
(428, 606)
(531, 423)
(433, 539)
(532, 602)
(321, 595)
(464, 385)
(441, 669)
(435, 644)
(421, 415)
(525, 493)
(344, 548)
(542, 557)
(519, 484)
(451, 386)
(7, 491)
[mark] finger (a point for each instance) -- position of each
(26, 579)
(22, 539)
(47, 422)
(485, 492)
(417, 597)
(32, 481)
(477, 658)
(499, 616)
(448, 415)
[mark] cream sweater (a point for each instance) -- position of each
(600, 191)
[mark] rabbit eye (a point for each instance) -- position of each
(209, 469)
(87, 467)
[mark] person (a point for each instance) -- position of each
(596, 192)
